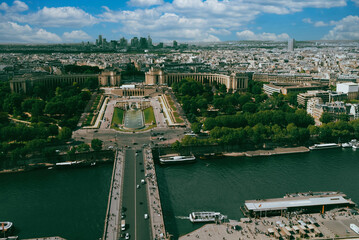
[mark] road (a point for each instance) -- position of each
(135, 199)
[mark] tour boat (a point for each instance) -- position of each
(206, 217)
(324, 146)
(177, 159)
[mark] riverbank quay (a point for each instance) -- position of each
(157, 223)
(334, 224)
(229, 151)
(44, 163)
(46, 238)
(113, 213)
(264, 153)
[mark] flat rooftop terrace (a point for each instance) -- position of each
(297, 202)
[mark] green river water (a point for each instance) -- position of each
(224, 184)
(71, 203)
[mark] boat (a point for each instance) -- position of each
(5, 226)
(356, 146)
(324, 146)
(197, 217)
(69, 164)
(350, 144)
(346, 145)
(177, 159)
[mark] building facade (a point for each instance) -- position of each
(235, 81)
(26, 83)
(109, 78)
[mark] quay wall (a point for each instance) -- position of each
(36, 162)
(228, 150)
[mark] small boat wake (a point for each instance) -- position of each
(182, 217)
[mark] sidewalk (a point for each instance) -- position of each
(157, 222)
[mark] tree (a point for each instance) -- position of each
(96, 144)
(65, 133)
(196, 127)
(3, 118)
(326, 117)
(53, 130)
(83, 147)
(211, 123)
(249, 107)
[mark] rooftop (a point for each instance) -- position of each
(292, 202)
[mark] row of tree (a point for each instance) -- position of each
(253, 118)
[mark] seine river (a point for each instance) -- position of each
(224, 184)
(72, 203)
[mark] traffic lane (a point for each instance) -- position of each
(129, 191)
(143, 227)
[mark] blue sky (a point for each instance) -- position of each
(182, 20)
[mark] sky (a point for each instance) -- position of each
(65, 21)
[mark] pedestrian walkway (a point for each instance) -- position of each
(157, 222)
(113, 215)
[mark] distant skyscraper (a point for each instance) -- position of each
(291, 44)
(135, 42)
(99, 40)
(149, 41)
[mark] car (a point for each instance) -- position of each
(146, 215)
(143, 181)
(138, 186)
(127, 236)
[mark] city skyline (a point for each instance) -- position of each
(181, 20)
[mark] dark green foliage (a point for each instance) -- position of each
(196, 127)
(75, 69)
(65, 133)
(96, 144)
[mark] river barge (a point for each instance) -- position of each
(324, 146)
(177, 159)
(310, 202)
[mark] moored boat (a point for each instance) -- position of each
(324, 146)
(177, 159)
(69, 164)
(350, 144)
(206, 217)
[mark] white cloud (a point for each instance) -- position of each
(219, 31)
(345, 29)
(58, 17)
(356, 2)
(144, 3)
(320, 24)
(204, 19)
(17, 6)
(13, 32)
(76, 35)
(249, 35)
(307, 20)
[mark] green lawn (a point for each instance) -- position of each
(149, 115)
(171, 103)
(117, 117)
(177, 117)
